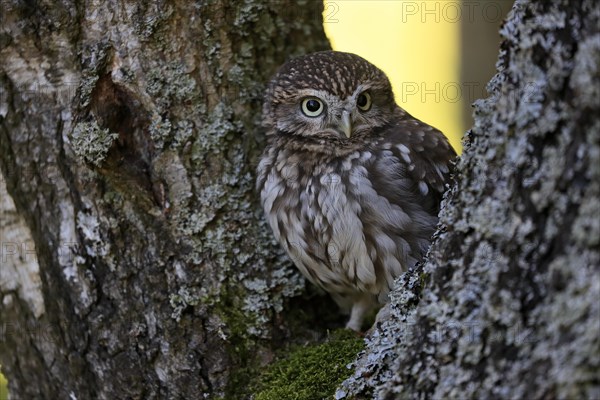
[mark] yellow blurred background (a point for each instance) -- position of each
(3, 389)
(423, 47)
(419, 58)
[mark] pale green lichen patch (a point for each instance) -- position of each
(220, 127)
(91, 143)
(267, 295)
(183, 132)
(311, 372)
(183, 300)
(86, 87)
(160, 130)
(170, 83)
(94, 59)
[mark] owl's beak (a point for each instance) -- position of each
(345, 124)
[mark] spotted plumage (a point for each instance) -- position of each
(350, 183)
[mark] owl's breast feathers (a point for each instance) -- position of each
(353, 223)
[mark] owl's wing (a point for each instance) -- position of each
(408, 168)
(425, 153)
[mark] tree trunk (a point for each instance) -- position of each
(506, 305)
(135, 260)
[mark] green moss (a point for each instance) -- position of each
(312, 372)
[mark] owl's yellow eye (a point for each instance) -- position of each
(364, 101)
(312, 107)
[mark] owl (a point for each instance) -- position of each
(350, 183)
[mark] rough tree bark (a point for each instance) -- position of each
(135, 260)
(506, 305)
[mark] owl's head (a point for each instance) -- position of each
(328, 95)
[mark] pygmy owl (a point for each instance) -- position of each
(350, 182)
